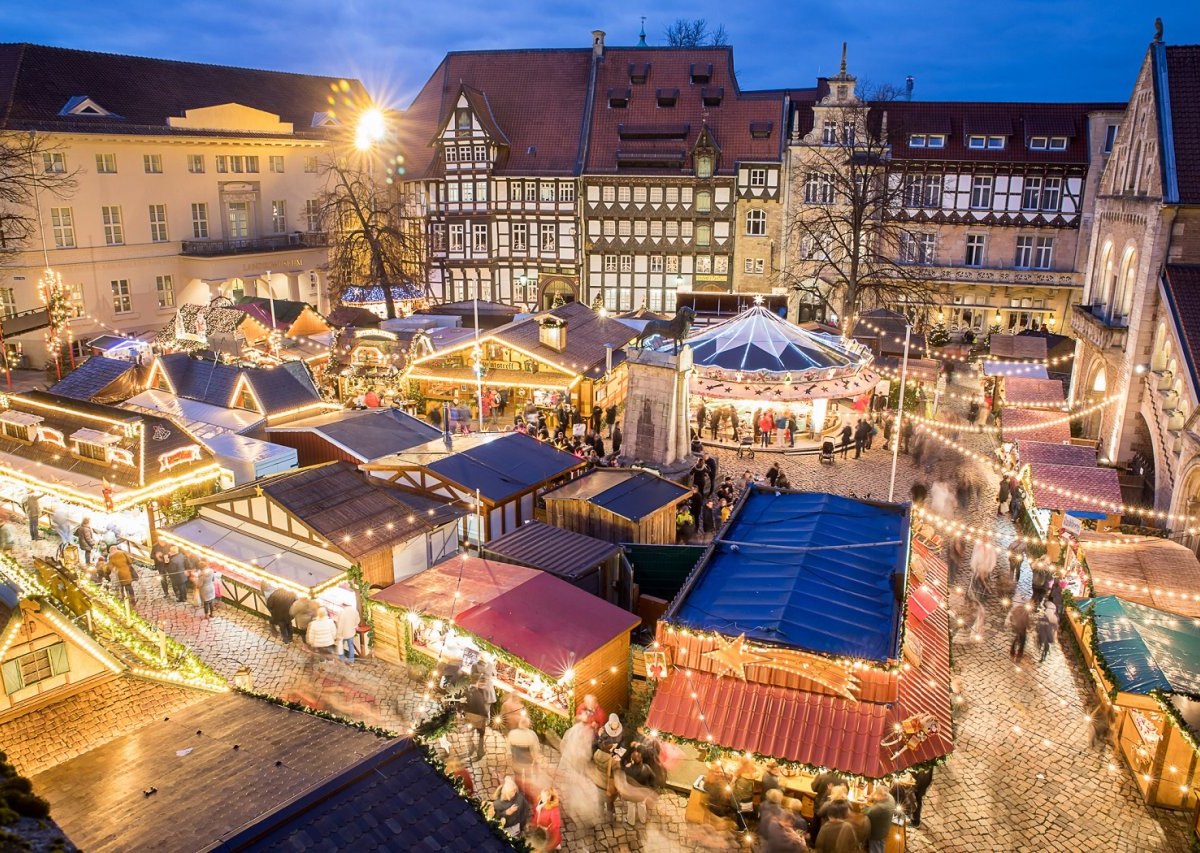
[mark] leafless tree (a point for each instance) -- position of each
(850, 242)
(28, 167)
(371, 240)
(695, 33)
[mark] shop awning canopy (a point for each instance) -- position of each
(806, 570)
(1150, 570)
(1145, 648)
(1076, 488)
(758, 339)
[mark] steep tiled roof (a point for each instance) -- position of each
(727, 117)
(279, 389)
(535, 97)
(587, 335)
(1183, 81)
(1181, 285)
(1056, 454)
(37, 81)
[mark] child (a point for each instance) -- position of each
(726, 509)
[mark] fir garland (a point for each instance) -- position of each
(1164, 702)
(1089, 619)
(378, 731)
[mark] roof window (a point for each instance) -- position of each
(619, 98)
(701, 72)
(667, 97)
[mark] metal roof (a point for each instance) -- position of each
(505, 467)
(805, 570)
(562, 553)
(90, 378)
(629, 494)
(367, 435)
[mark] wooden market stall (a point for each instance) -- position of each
(1147, 570)
(1137, 656)
(811, 674)
(353, 435)
(618, 505)
(592, 565)
(554, 643)
(498, 476)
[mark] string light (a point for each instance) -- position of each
(1021, 364)
(1022, 428)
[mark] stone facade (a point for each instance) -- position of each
(656, 423)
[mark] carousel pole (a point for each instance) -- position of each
(899, 413)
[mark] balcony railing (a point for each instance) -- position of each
(1099, 327)
(275, 243)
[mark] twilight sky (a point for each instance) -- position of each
(956, 49)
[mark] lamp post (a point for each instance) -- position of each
(899, 412)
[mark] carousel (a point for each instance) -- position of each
(758, 363)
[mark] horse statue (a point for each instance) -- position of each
(675, 329)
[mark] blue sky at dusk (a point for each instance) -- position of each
(955, 49)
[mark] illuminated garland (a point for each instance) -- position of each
(996, 431)
(1022, 364)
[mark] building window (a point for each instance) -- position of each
(279, 216)
(976, 244)
(1039, 143)
(748, 266)
(199, 220)
(548, 237)
(479, 237)
(759, 265)
(547, 190)
(239, 220)
(276, 161)
(520, 237)
(609, 227)
(704, 166)
(8, 302)
(467, 190)
(196, 164)
(818, 188)
(656, 264)
(439, 237)
(758, 177)
(481, 154)
(981, 192)
(456, 237)
(656, 228)
(114, 231)
(672, 195)
(106, 164)
(1044, 256)
(1058, 143)
(656, 195)
(623, 195)
(312, 213)
(158, 223)
(1024, 258)
(608, 194)
(122, 303)
(624, 227)
(514, 191)
(164, 289)
(721, 264)
(639, 195)
(703, 264)
(310, 164)
(252, 163)
(54, 162)
(152, 163)
(672, 263)
(39, 665)
(918, 248)
(1110, 138)
(626, 263)
(978, 141)
(756, 223)
(452, 191)
(703, 235)
(829, 132)
(1031, 194)
(672, 229)
(1052, 194)
(62, 222)
(462, 119)
(566, 191)
(610, 263)
(703, 201)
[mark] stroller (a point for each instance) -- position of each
(827, 451)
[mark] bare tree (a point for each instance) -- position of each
(371, 240)
(695, 33)
(29, 165)
(851, 244)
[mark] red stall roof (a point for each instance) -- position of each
(1034, 425)
(1058, 454)
(432, 591)
(1094, 489)
(1019, 390)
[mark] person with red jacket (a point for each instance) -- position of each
(591, 713)
(548, 815)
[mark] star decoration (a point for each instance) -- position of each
(734, 657)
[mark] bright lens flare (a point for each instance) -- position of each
(370, 129)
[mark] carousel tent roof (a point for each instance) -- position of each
(758, 339)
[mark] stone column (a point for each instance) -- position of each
(293, 287)
(656, 408)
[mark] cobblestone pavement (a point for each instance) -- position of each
(70, 727)
(1022, 776)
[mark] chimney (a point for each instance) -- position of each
(552, 332)
(908, 87)
(597, 43)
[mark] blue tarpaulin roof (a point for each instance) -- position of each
(1146, 648)
(777, 575)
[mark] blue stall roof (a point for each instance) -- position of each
(1146, 648)
(506, 466)
(91, 377)
(781, 574)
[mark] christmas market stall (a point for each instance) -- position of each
(374, 360)
(806, 636)
(618, 505)
(357, 435)
(407, 298)
(1146, 570)
(131, 348)
(757, 362)
(102, 380)
(552, 642)
(1034, 425)
(568, 354)
(593, 565)
(1052, 490)
(1139, 658)
(100, 462)
(315, 532)
(499, 477)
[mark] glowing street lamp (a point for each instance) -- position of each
(371, 129)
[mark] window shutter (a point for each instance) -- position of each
(58, 658)
(12, 677)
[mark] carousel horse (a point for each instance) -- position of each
(675, 329)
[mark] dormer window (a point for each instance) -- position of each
(21, 426)
(82, 105)
(761, 129)
(712, 95)
(1047, 143)
(93, 444)
(462, 119)
(639, 72)
(979, 141)
(701, 72)
(926, 140)
(704, 165)
(667, 97)
(618, 99)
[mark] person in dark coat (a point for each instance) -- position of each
(847, 434)
(701, 419)
(923, 779)
(710, 465)
(598, 445)
(279, 605)
(33, 509)
(610, 418)
(861, 431)
(177, 571)
(616, 439)
(773, 474)
(1002, 496)
(511, 807)
(161, 555)
(699, 474)
(1018, 623)
(477, 712)
(906, 432)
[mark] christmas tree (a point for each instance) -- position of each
(939, 335)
